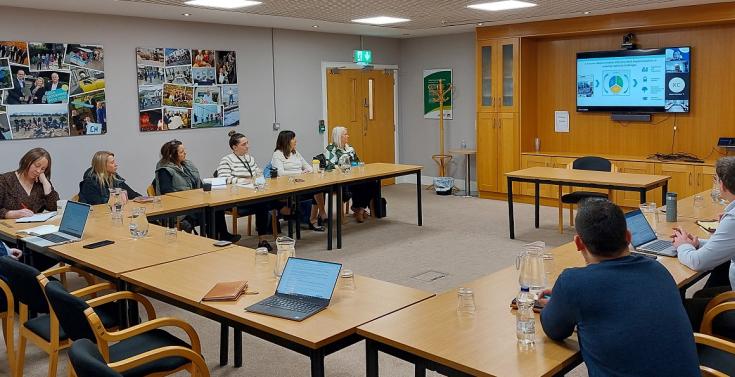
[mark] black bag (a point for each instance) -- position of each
(322, 160)
(381, 210)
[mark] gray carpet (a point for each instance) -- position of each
(464, 238)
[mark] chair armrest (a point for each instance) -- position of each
(125, 295)
(714, 342)
(709, 372)
(117, 336)
(160, 353)
(92, 289)
(709, 316)
(5, 288)
(719, 299)
(64, 269)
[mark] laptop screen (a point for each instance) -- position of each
(306, 277)
(75, 217)
(639, 228)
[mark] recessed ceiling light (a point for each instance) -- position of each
(224, 4)
(587, 12)
(381, 20)
(315, 26)
(186, 14)
(480, 24)
(502, 5)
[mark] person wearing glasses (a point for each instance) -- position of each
(175, 173)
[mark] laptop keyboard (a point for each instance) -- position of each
(54, 238)
(659, 245)
(290, 304)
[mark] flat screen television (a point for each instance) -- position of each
(634, 81)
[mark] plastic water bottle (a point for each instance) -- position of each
(525, 320)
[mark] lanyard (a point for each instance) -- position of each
(247, 166)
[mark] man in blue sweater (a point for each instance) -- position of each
(627, 309)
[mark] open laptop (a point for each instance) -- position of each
(305, 288)
(644, 238)
(70, 230)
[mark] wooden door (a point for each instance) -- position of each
(631, 198)
(682, 178)
(487, 152)
(485, 73)
(345, 105)
(378, 136)
(508, 148)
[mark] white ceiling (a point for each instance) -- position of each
(429, 17)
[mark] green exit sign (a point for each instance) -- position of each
(364, 57)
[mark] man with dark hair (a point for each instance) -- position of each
(627, 309)
(716, 254)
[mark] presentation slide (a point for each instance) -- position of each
(636, 81)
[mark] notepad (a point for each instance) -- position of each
(37, 218)
(708, 225)
(229, 291)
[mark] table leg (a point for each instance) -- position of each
(339, 217)
(511, 223)
(317, 363)
(329, 217)
(237, 339)
(224, 334)
(536, 204)
(419, 369)
(371, 358)
(132, 307)
(467, 192)
(298, 217)
(211, 226)
(122, 306)
(663, 193)
(418, 198)
(643, 195)
(290, 221)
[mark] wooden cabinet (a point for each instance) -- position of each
(705, 176)
(497, 150)
(531, 161)
(632, 198)
(683, 181)
(497, 75)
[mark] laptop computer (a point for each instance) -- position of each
(644, 238)
(70, 230)
(305, 288)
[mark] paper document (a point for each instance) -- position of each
(37, 218)
(41, 230)
(216, 181)
(246, 185)
(561, 121)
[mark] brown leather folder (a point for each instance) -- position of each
(229, 291)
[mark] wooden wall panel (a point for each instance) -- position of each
(712, 97)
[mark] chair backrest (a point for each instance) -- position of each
(87, 360)
(70, 311)
(151, 190)
(592, 163)
(75, 198)
(21, 279)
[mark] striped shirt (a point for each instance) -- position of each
(237, 169)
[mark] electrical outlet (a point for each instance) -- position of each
(276, 126)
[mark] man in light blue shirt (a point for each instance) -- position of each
(707, 255)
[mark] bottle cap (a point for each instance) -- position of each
(315, 161)
(524, 289)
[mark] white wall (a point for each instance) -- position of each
(419, 137)
(298, 56)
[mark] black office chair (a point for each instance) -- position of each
(87, 361)
(574, 197)
(43, 330)
(716, 356)
(81, 321)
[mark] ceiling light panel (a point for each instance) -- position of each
(502, 5)
(223, 4)
(381, 20)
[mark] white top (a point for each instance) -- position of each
(236, 169)
(293, 165)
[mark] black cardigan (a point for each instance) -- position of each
(91, 192)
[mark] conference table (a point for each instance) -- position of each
(538, 175)
(184, 282)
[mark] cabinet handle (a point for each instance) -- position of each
(690, 179)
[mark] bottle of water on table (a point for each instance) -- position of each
(525, 320)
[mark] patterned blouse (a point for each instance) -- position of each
(332, 154)
(13, 196)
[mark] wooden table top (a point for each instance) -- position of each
(708, 211)
(484, 344)
(347, 310)
(169, 204)
(589, 176)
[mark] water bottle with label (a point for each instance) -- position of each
(525, 320)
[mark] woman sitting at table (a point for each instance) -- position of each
(362, 193)
(240, 167)
(288, 161)
(100, 178)
(175, 173)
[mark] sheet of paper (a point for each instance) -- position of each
(561, 121)
(246, 185)
(41, 230)
(37, 218)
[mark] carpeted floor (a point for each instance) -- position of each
(464, 238)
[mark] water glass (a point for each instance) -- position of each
(286, 248)
(138, 223)
(60, 205)
(261, 257)
(170, 234)
(234, 189)
(157, 202)
(698, 201)
(361, 167)
(465, 301)
(347, 279)
(259, 183)
(115, 203)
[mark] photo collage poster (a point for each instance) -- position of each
(182, 88)
(51, 90)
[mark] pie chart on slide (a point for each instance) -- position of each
(616, 84)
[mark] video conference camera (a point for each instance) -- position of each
(628, 42)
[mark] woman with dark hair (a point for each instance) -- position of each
(28, 190)
(175, 173)
(100, 178)
(288, 161)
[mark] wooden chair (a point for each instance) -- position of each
(716, 356)
(150, 191)
(574, 197)
(43, 330)
(81, 320)
(87, 361)
(7, 316)
(722, 306)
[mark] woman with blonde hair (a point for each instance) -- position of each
(100, 178)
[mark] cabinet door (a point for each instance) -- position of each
(508, 148)
(507, 68)
(530, 161)
(682, 178)
(487, 152)
(631, 198)
(705, 177)
(485, 66)
(561, 163)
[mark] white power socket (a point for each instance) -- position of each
(276, 126)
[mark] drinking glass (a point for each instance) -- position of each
(285, 249)
(698, 201)
(157, 202)
(138, 223)
(170, 234)
(347, 278)
(465, 301)
(530, 263)
(115, 204)
(261, 256)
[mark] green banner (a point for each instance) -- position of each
(432, 77)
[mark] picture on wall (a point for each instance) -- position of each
(51, 89)
(186, 88)
(431, 80)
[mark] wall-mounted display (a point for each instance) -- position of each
(182, 88)
(51, 90)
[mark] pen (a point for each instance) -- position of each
(23, 206)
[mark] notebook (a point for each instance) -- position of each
(644, 239)
(230, 291)
(37, 218)
(305, 288)
(71, 229)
